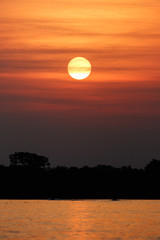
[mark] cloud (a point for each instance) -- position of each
(81, 98)
(19, 60)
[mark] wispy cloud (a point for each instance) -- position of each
(119, 38)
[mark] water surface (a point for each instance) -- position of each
(79, 220)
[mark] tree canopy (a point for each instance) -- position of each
(153, 166)
(27, 159)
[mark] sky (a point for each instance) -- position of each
(113, 116)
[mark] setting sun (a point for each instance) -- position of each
(79, 68)
(80, 81)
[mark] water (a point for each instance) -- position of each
(79, 220)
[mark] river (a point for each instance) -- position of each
(79, 219)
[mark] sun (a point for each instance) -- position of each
(79, 68)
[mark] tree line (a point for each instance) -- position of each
(30, 176)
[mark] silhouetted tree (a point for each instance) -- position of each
(153, 166)
(27, 159)
(34, 180)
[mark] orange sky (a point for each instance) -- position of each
(120, 38)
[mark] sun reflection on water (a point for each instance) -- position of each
(80, 220)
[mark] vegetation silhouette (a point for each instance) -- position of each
(27, 159)
(26, 178)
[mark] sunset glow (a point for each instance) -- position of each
(120, 99)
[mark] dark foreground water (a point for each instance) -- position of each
(79, 220)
